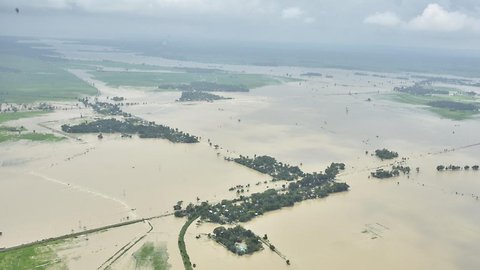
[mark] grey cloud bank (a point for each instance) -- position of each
(409, 23)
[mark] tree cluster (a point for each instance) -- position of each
(395, 171)
(245, 208)
(269, 165)
(421, 90)
(454, 105)
(456, 167)
(231, 238)
(132, 126)
(385, 154)
(199, 96)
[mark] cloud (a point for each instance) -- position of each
(296, 13)
(383, 19)
(143, 7)
(309, 20)
(436, 18)
(292, 13)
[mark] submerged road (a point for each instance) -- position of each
(94, 230)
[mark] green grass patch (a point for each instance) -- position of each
(93, 65)
(156, 79)
(40, 137)
(150, 256)
(427, 100)
(40, 256)
(10, 116)
(453, 114)
(29, 79)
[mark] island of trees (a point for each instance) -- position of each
(245, 208)
(128, 126)
(395, 171)
(385, 154)
(269, 165)
(199, 96)
(237, 239)
(132, 126)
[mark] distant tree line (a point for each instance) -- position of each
(456, 167)
(205, 86)
(199, 96)
(420, 89)
(311, 74)
(454, 105)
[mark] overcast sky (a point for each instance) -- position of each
(415, 23)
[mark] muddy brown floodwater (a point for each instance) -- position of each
(427, 220)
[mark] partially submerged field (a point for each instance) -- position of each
(448, 102)
(36, 78)
(161, 80)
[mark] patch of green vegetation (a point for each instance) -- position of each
(39, 256)
(181, 243)
(150, 256)
(26, 79)
(132, 126)
(460, 98)
(269, 165)
(396, 170)
(10, 116)
(385, 154)
(19, 133)
(13, 136)
(199, 96)
(453, 114)
(207, 87)
(99, 65)
(238, 240)
(157, 79)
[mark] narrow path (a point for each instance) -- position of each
(115, 257)
(90, 231)
(182, 246)
(267, 243)
(86, 190)
(54, 130)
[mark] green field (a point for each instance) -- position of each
(6, 134)
(40, 256)
(25, 79)
(425, 100)
(93, 65)
(156, 79)
(10, 116)
(150, 256)
(20, 133)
